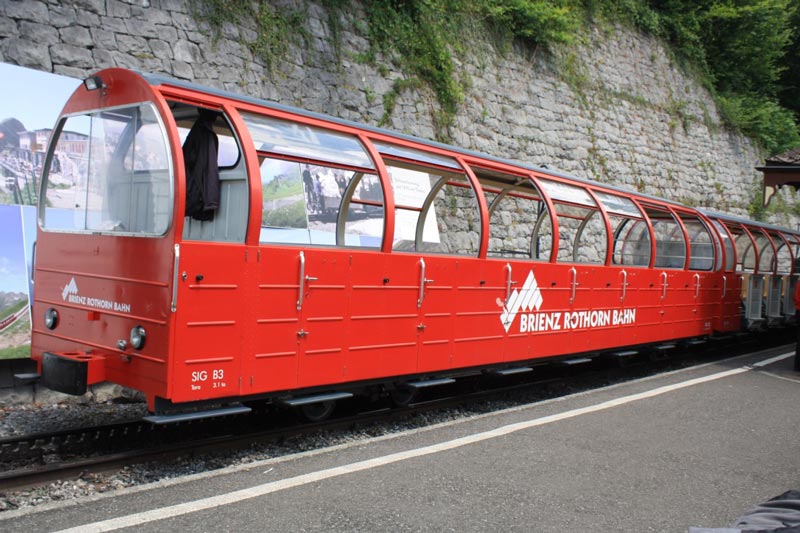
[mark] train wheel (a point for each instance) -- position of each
(402, 397)
(317, 412)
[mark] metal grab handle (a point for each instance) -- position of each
(33, 261)
(574, 284)
(422, 281)
(697, 286)
(664, 292)
(724, 286)
(509, 283)
(175, 267)
(302, 286)
(624, 285)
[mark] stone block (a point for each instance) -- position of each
(103, 40)
(115, 8)
(75, 35)
(113, 24)
(182, 70)
(102, 59)
(97, 7)
(187, 52)
(28, 10)
(176, 6)
(71, 56)
(8, 28)
(27, 54)
(62, 16)
(72, 72)
(38, 33)
(161, 49)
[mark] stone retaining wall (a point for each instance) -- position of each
(615, 109)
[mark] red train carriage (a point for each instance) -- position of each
(206, 248)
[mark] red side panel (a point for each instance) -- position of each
(102, 287)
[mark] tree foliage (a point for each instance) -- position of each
(747, 50)
(537, 22)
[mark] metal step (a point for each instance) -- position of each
(624, 353)
(197, 415)
(317, 398)
(512, 371)
(575, 361)
(429, 383)
(26, 379)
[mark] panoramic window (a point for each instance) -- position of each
(670, 244)
(745, 252)
(318, 186)
(519, 224)
(701, 245)
(631, 237)
(730, 257)
(110, 171)
(581, 230)
(303, 203)
(436, 211)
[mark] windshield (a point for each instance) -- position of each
(109, 171)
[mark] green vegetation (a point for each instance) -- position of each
(747, 52)
(425, 37)
(282, 188)
(287, 216)
(16, 352)
(277, 28)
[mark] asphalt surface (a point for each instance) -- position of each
(696, 447)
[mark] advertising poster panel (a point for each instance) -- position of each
(30, 102)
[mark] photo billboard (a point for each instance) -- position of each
(30, 102)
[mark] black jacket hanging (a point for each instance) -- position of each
(202, 173)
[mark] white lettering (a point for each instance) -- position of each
(624, 316)
(534, 322)
(200, 375)
(553, 321)
(99, 303)
(75, 299)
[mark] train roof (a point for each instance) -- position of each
(159, 79)
(742, 220)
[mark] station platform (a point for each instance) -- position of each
(696, 447)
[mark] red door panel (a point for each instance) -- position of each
(275, 323)
(324, 317)
(210, 321)
(478, 333)
(435, 306)
(383, 317)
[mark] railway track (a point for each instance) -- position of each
(11, 319)
(37, 459)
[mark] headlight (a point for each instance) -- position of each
(138, 337)
(51, 318)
